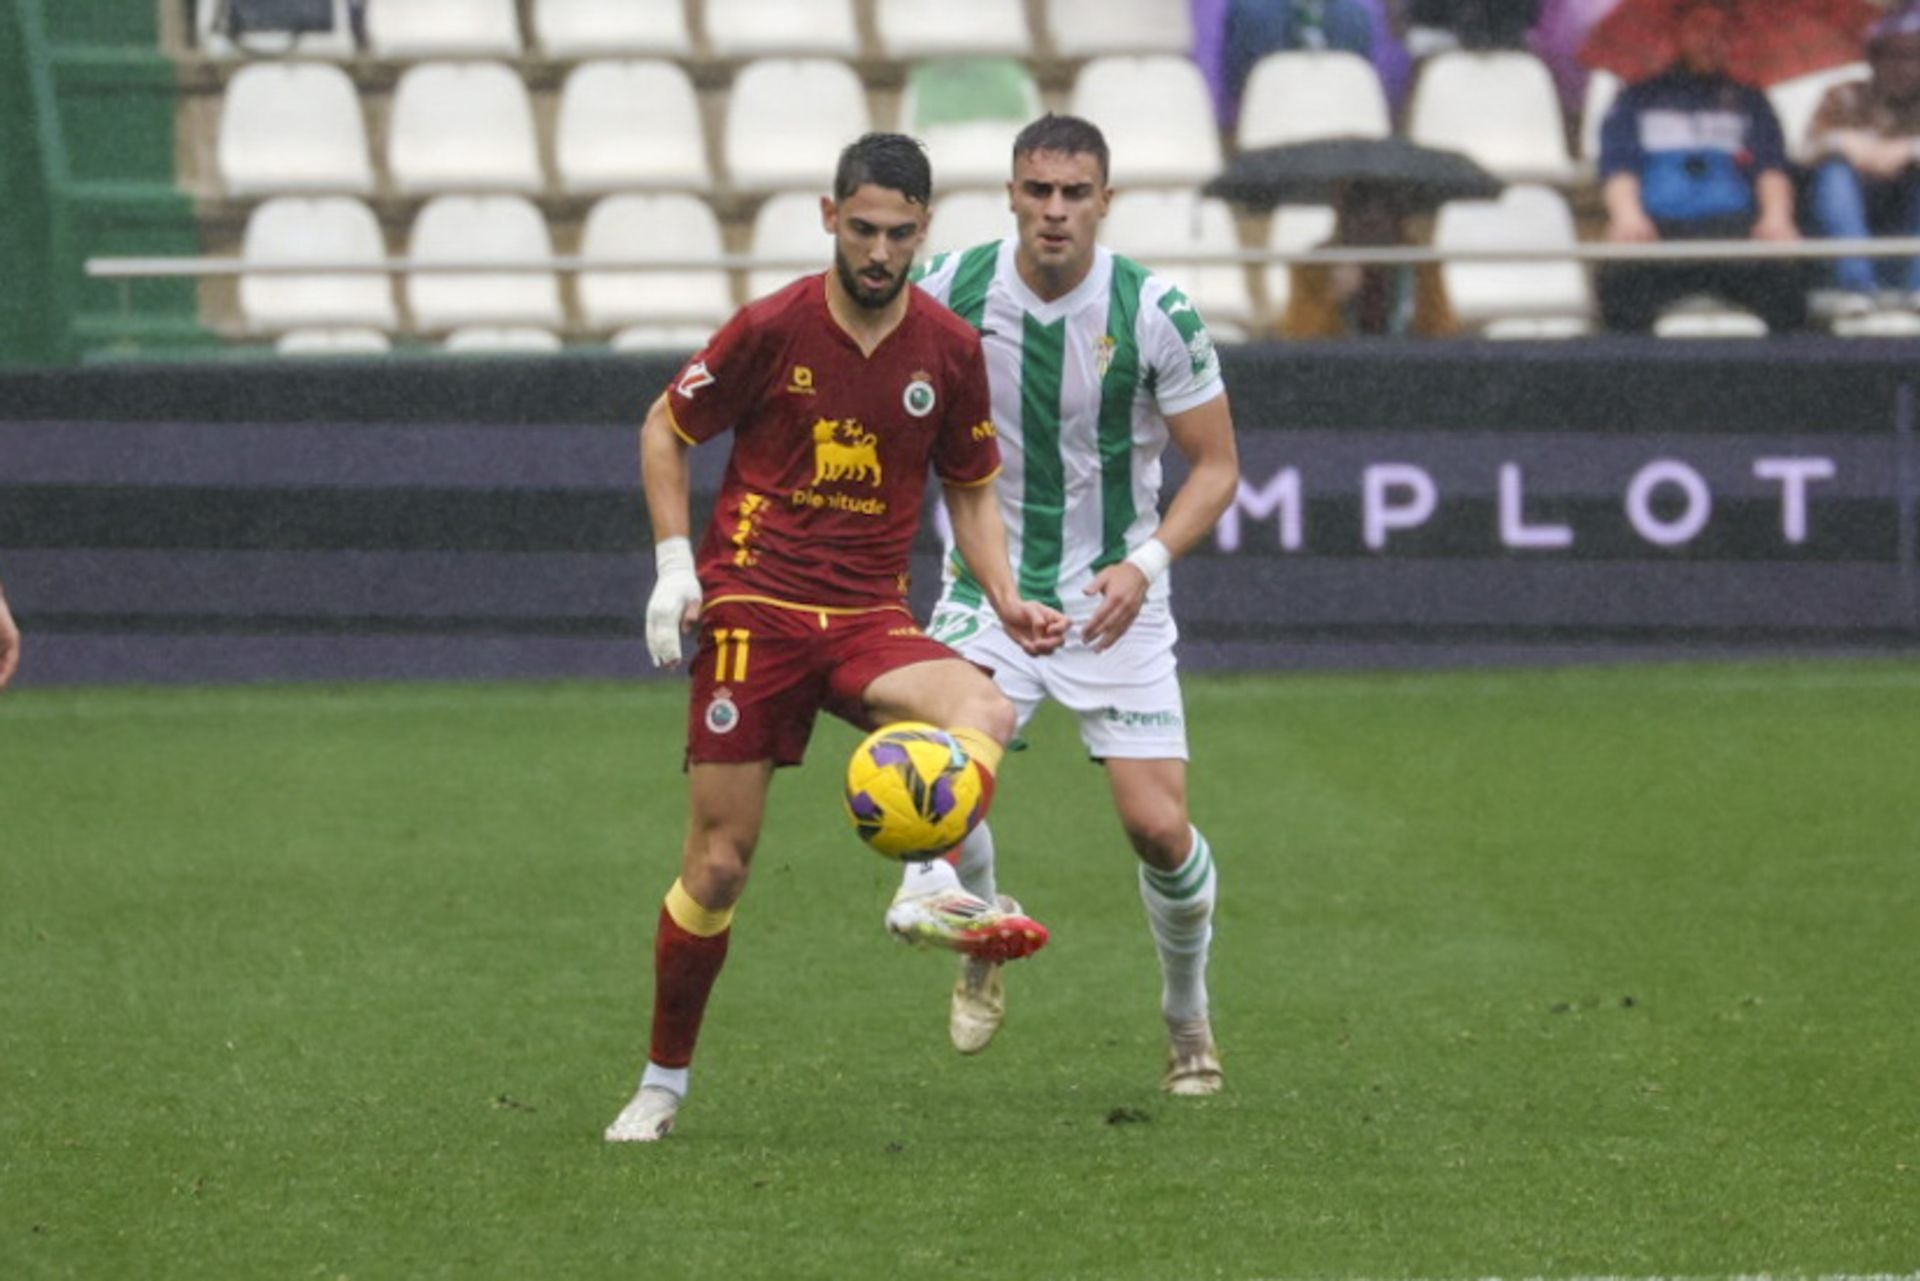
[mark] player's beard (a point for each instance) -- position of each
(861, 292)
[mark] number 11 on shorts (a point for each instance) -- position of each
(730, 642)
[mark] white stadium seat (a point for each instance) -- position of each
(1086, 28)
(1702, 316)
(602, 29)
(942, 28)
(292, 127)
(1146, 224)
(462, 126)
(459, 230)
(963, 219)
(1500, 108)
(781, 28)
(408, 29)
(322, 230)
(1300, 95)
(333, 342)
(673, 224)
(1292, 229)
(1602, 88)
(675, 338)
(787, 226)
(1548, 298)
(787, 120)
(486, 340)
(630, 124)
(1157, 115)
(1795, 101)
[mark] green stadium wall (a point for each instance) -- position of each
(88, 104)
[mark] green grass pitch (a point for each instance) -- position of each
(1575, 973)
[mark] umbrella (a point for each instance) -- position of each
(1318, 172)
(1767, 40)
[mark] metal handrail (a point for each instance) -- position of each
(129, 268)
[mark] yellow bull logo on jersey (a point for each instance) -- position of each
(841, 451)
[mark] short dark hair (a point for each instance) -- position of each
(1067, 134)
(890, 160)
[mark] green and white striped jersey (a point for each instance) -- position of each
(1082, 386)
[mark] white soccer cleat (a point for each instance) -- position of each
(964, 923)
(979, 1004)
(647, 1119)
(1193, 1060)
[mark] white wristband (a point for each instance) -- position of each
(1151, 558)
(673, 555)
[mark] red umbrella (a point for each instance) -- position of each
(1767, 41)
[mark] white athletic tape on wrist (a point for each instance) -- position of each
(1151, 558)
(673, 555)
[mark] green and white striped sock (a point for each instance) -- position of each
(1180, 913)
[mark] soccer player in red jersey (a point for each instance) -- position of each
(9, 642)
(840, 390)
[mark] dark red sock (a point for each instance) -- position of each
(987, 784)
(684, 968)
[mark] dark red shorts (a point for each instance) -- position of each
(763, 672)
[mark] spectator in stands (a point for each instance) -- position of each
(1347, 300)
(1556, 39)
(1391, 61)
(1256, 28)
(1865, 140)
(1435, 26)
(1691, 154)
(9, 642)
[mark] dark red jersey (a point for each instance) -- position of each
(823, 490)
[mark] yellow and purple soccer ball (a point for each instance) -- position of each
(912, 791)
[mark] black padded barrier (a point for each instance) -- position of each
(1401, 505)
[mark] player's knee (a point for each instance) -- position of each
(990, 711)
(717, 871)
(1159, 833)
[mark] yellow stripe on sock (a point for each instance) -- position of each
(701, 922)
(981, 746)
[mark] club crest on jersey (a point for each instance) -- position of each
(1201, 355)
(918, 397)
(723, 714)
(1103, 354)
(842, 451)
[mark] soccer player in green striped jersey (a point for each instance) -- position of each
(1096, 365)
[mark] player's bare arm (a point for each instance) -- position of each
(667, 481)
(9, 642)
(981, 538)
(1204, 437)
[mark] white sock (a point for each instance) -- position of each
(1180, 913)
(975, 864)
(935, 876)
(674, 1079)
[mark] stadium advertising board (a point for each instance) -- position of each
(1441, 505)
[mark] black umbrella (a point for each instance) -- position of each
(1320, 172)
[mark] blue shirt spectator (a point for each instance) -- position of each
(1696, 143)
(1692, 154)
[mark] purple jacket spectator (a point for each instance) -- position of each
(1556, 41)
(1390, 58)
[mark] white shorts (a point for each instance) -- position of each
(1127, 697)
